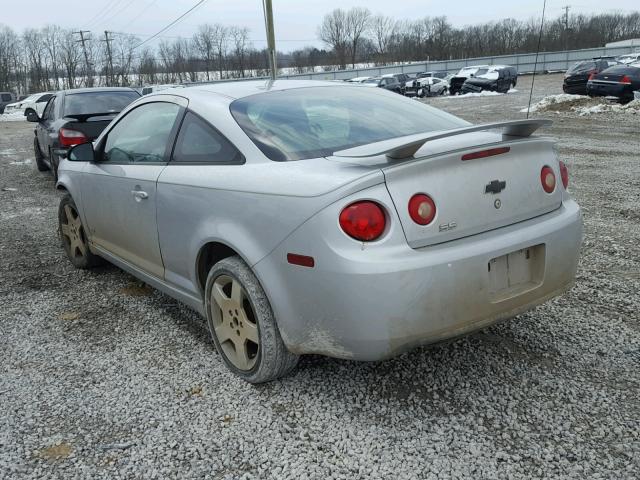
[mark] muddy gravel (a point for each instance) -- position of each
(103, 377)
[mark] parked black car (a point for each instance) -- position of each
(618, 81)
(576, 78)
(72, 117)
(402, 79)
(388, 83)
(497, 78)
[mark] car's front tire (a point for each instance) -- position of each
(242, 324)
(73, 237)
(40, 164)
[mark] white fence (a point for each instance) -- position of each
(547, 62)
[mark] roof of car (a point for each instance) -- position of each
(252, 87)
(96, 89)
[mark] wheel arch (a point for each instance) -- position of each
(208, 255)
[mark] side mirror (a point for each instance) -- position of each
(31, 115)
(81, 153)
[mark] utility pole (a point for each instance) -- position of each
(110, 58)
(566, 26)
(271, 37)
(89, 80)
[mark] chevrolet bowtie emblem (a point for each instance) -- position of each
(495, 186)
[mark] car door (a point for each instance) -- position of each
(119, 189)
(200, 152)
(45, 127)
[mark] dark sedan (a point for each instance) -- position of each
(388, 83)
(72, 117)
(619, 81)
(576, 78)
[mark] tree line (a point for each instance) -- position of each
(358, 36)
(52, 57)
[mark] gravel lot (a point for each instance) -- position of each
(102, 377)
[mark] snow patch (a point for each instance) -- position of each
(547, 103)
(12, 117)
(582, 105)
(26, 161)
(632, 107)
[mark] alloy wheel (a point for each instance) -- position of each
(234, 322)
(73, 234)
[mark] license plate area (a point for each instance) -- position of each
(515, 273)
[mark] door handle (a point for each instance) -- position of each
(139, 195)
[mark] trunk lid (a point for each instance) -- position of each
(459, 188)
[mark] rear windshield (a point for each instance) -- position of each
(582, 67)
(315, 122)
(97, 102)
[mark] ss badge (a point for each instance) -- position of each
(447, 226)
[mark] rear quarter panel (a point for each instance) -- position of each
(251, 208)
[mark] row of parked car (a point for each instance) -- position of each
(473, 79)
(605, 77)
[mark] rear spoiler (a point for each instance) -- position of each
(405, 147)
(83, 117)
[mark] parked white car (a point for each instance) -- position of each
(426, 87)
(357, 79)
(629, 58)
(37, 101)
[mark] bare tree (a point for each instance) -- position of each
(358, 21)
(334, 32)
(384, 30)
(70, 57)
(240, 37)
(204, 41)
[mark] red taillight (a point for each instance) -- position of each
(69, 138)
(592, 75)
(548, 179)
(564, 174)
(422, 209)
(363, 221)
(485, 153)
(626, 80)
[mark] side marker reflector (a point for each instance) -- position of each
(302, 260)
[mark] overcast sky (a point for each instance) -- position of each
(296, 21)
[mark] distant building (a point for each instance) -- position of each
(633, 42)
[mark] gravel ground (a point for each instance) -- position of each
(102, 377)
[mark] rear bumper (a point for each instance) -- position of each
(575, 89)
(609, 90)
(370, 307)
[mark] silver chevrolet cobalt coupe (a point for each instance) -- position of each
(310, 217)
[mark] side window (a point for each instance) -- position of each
(48, 111)
(5, 97)
(199, 142)
(44, 98)
(142, 135)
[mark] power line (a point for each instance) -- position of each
(171, 24)
(108, 6)
(136, 17)
(108, 19)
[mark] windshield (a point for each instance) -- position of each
(315, 122)
(98, 102)
(582, 67)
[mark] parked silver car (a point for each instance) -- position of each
(321, 217)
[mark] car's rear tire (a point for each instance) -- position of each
(40, 165)
(73, 237)
(242, 324)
